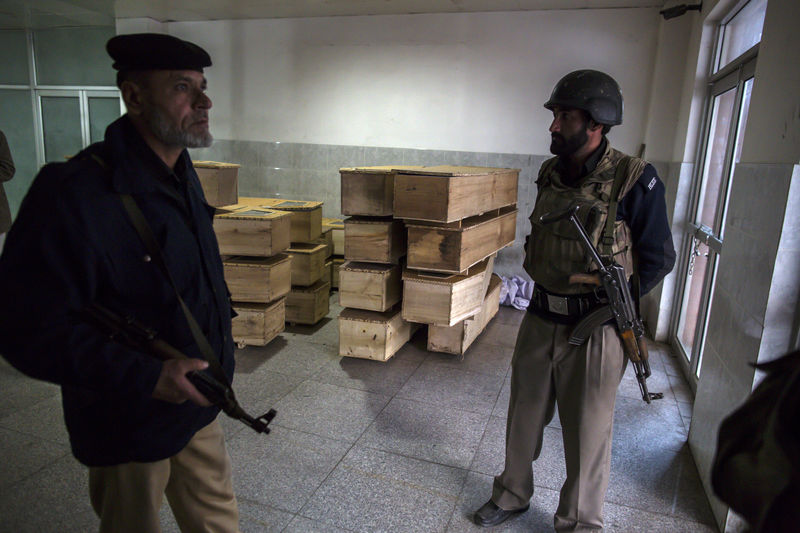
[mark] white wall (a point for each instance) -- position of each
(468, 82)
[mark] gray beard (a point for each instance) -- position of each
(171, 136)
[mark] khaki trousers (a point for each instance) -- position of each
(197, 482)
(583, 381)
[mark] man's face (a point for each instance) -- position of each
(175, 108)
(567, 131)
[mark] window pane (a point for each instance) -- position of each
(102, 112)
(714, 169)
(73, 56)
(16, 121)
(14, 59)
(61, 118)
(742, 32)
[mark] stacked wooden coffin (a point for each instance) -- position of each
(370, 280)
(457, 219)
(309, 297)
(333, 229)
(253, 241)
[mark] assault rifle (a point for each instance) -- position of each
(620, 305)
(130, 332)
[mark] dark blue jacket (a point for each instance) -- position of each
(73, 244)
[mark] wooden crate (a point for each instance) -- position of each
(327, 276)
(373, 335)
(220, 182)
(369, 191)
(442, 299)
(374, 240)
(370, 286)
(308, 262)
(336, 226)
(456, 247)
(456, 339)
(308, 305)
(254, 231)
(306, 215)
(257, 324)
(337, 265)
(258, 279)
(327, 239)
(448, 193)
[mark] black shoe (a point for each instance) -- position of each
(491, 515)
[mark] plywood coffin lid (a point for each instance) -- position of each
(214, 164)
(454, 170)
(282, 204)
(379, 169)
(361, 315)
(367, 267)
(255, 262)
(333, 223)
(250, 212)
(441, 278)
(467, 223)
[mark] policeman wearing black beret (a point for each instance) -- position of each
(137, 422)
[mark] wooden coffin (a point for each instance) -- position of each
(337, 264)
(327, 239)
(308, 305)
(370, 286)
(336, 226)
(456, 247)
(456, 339)
(308, 262)
(448, 193)
(445, 299)
(374, 240)
(258, 279)
(220, 182)
(327, 276)
(257, 324)
(369, 191)
(254, 231)
(306, 220)
(373, 335)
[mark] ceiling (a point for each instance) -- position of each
(54, 13)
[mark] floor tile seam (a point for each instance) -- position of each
(673, 516)
(44, 466)
(39, 437)
(451, 366)
(438, 404)
(313, 378)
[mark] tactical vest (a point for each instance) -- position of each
(555, 251)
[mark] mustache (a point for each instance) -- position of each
(557, 137)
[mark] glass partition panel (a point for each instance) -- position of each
(73, 56)
(103, 111)
(61, 121)
(14, 59)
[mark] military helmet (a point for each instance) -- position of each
(592, 91)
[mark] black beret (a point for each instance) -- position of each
(155, 51)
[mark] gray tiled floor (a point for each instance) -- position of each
(362, 446)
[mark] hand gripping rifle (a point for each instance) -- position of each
(621, 306)
(128, 331)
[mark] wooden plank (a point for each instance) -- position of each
(373, 335)
(306, 220)
(369, 191)
(337, 264)
(457, 338)
(374, 240)
(370, 286)
(308, 262)
(449, 193)
(327, 276)
(220, 182)
(257, 324)
(336, 226)
(444, 299)
(258, 279)
(308, 305)
(253, 231)
(453, 250)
